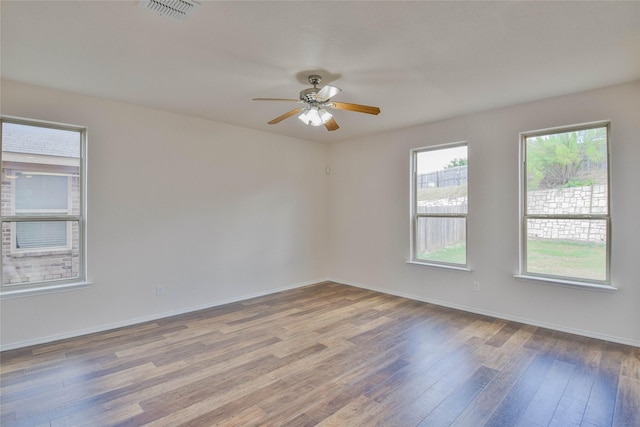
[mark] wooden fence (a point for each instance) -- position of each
(437, 233)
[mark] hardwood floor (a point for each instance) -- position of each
(327, 355)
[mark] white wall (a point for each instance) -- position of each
(211, 212)
(217, 213)
(369, 216)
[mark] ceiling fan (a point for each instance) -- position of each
(316, 102)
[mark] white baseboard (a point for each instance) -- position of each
(156, 316)
(619, 340)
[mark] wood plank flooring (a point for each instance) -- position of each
(325, 355)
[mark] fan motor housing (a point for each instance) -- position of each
(309, 95)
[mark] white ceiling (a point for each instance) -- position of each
(417, 61)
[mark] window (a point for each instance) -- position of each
(439, 205)
(42, 209)
(565, 228)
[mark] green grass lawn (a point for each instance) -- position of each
(553, 257)
(455, 254)
(567, 258)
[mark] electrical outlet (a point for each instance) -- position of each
(476, 286)
(159, 291)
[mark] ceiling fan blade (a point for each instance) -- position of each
(355, 107)
(275, 99)
(331, 124)
(285, 116)
(327, 92)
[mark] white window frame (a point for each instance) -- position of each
(415, 216)
(48, 286)
(523, 216)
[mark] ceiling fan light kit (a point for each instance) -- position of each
(315, 113)
(314, 116)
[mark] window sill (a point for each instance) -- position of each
(443, 266)
(30, 253)
(19, 292)
(567, 283)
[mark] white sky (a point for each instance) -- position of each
(435, 160)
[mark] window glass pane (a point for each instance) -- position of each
(441, 180)
(567, 172)
(41, 234)
(571, 248)
(441, 240)
(41, 264)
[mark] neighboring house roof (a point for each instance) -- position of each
(19, 138)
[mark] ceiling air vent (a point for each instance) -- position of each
(176, 9)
